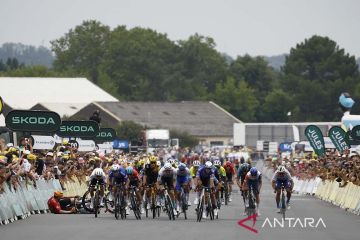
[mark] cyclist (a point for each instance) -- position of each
(253, 180)
(205, 178)
(220, 175)
(97, 177)
(118, 176)
(230, 172)
(193, 170)
(134, 181)
(60, 205)
(183, 180)
(151, 173)
(166, 177)
(282, 177)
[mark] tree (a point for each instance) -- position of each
(129, 130)
(82, 49)
(255, 71)
(239, 99)
(202, 65)
(139, 61)
(315, 73)
(276, 106)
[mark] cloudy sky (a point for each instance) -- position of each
(257, 27)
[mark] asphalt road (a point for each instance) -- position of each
(340, 225)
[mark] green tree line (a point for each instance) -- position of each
(144, 65)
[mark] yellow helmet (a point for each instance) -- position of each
(58, 194)
(153, 159)
(31, 157)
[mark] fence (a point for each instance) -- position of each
(347, 197)
(26, 200)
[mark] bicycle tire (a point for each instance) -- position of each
(283, 204)
(117, 206)
(226, 195)
(184, 204)
(200, 209)
(96, 202)
(210, 209)
(85, 201)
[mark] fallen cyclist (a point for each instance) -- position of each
(59, 204)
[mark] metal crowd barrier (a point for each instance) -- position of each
(347, 197)
(26, 200)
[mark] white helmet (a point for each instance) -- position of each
(167, 166)
(208, 164)
(196, 163)
(217, 163)
(99, 172)
(281, 169)
(115, 167)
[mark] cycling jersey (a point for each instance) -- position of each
(134, 178)
(282, 180)
(243, 170)
(253, 181)
(54, 205)
(151, 174)
(193, 170)
(166, 177)
(205, 176)
(182, 177)
(118, 176)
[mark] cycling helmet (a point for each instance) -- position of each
(98, 172)
(182, 167)
(208, 164)
(196, 163)
(129, 170)
(167, 166)
(115, 167)
(58, 194)
(281, 169)
(217, 163)
(253, 171)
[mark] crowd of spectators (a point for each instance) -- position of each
(335, 167)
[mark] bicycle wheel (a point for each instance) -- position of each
(210, 209)
(283, 204)
(200, 209)
(122, 206)
(117, 206)
(184, 204)
(226, 194)
(96, 203)
(146, 208)
(86, 201)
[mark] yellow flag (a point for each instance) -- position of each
(1, 105)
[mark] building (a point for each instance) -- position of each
(62, 95)
(248, 133)
(205, 120)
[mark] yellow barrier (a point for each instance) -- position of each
(346, 197)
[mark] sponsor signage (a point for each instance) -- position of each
(88, 129)
(316, 139)
(355, 133)
(86, 145)
(120, 144)
(32, 121)
(285, 147)
(338, 137)
(43, 142)
(105, 135)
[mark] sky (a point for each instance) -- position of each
(255, 27)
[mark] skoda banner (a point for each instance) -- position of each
(33, 121)
(316, 139)
(86, 129)
(1, 105)
(338, 137)
(104, 135)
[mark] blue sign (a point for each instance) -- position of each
(285, 147)
(118, 144)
